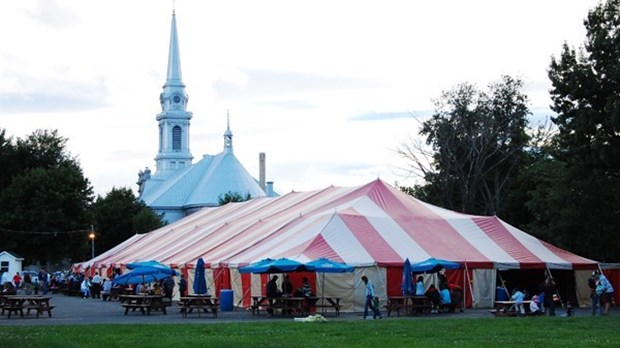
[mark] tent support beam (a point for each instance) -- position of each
(471, 290)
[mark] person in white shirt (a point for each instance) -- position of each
(96, 284)
(106, 290)
(85, 287)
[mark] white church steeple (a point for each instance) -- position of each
(174, 118)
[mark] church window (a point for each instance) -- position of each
(176, 138)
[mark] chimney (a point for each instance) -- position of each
(261, 170)
(269, 191)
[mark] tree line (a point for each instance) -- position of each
(557, 181)
(48, 208)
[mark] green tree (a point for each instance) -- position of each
(586, 98)
(118, 216)
(44, 204)
(233, 197)
(478, 140)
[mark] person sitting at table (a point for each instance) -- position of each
(534, 308)
(106, 289)
(9, 289)
(287, 286)
(433, 296)
(306, 289)
(138, 289)
(419, 286)
(157, 290)
(85, 287)
(457, 298)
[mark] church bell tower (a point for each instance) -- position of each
(174, 118)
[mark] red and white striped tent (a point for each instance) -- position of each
(373, 227)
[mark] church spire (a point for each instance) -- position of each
(228, 147)
(173, 78)
(174, 118)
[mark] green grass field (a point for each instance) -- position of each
(404, 332)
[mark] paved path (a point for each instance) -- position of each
(78, 311)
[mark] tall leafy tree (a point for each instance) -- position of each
(118, 216)
(586, 97)
(478, 140)
(44, 203)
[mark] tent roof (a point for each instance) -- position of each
(366, 225)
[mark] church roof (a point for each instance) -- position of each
(201, 184)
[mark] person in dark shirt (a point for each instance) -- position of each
(287, 286)
(272, 287)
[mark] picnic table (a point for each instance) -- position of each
(286, 304)
(200, 303)
(145, 303)
(19, 303)
(503, 308)
(408, 304)
(324, 303)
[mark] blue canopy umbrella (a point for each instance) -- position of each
(328, 266)
(142, 275)
(152, 264)
(200, 281)
(324, 265)
(434, 265)
(282, 265)
(407, 285)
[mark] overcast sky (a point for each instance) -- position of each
(327, 89)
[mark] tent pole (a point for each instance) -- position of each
(556, 289)
(381, 278)
(503, 284)
(471, 290)
(245, 293)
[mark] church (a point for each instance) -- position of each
(180, 187)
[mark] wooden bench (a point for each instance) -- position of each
(13, 309)
(198, 308)
(133, 306)
(199, 304)
(39, 309)
(421, 308)
(396, 307)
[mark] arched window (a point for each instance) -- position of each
(176, 138)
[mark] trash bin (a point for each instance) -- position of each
(226, 300)
(501, 294)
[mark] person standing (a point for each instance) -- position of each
(96, 285)
(43, 281)
(370, 295)
(17, 280)
(518, 297)
(419, 286)
(594, 297)
(607, 293)
(168, 285)
(182, 286)
(549, 290)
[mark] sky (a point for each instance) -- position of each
(329, 90)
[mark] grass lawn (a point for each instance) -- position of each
(405, 332)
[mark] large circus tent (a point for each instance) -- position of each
(373, 227)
